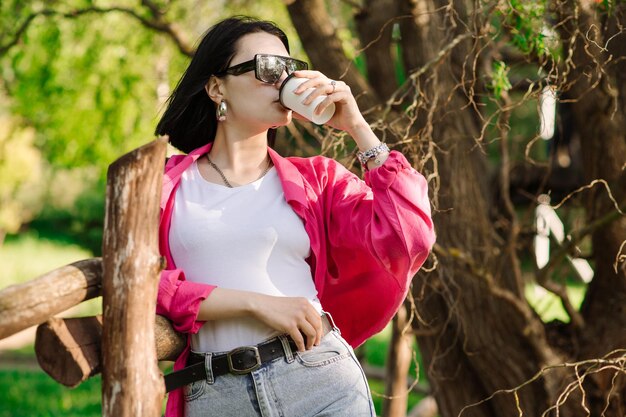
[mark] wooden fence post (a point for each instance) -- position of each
(131, 381)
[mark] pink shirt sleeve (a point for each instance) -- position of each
(388, 214)
(179, 300)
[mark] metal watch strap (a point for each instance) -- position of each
(371, 153)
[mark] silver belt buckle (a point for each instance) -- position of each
(236, 371)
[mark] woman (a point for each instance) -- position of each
(270, 258)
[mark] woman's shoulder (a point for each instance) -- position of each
(317, 165)
(173, 160)
(321, 172)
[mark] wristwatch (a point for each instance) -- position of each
(371, 153)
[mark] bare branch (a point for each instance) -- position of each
(158, 24)
(592, 366)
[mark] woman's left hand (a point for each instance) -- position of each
(347, 114)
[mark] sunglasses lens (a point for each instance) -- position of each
(270, 68)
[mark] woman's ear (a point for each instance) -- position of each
(214, 89)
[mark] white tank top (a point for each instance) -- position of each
(243, 238)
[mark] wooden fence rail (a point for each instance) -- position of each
(69, 350)
(35, 301)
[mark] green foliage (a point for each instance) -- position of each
(20, 170)
(526, 22)
(75, 209)
(83, 87)
(500, 80)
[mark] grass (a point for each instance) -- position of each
(26, 257)
(32, 393)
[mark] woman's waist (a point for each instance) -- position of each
(225, 335)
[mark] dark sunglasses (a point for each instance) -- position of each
(267, 68)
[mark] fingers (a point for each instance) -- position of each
(294, 316)
(330, 99)
(319, 329)
(298, 338)
(309, 333)
(308, 330)
(321, 84)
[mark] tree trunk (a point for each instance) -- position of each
(35, 301)
(132, 384)
(598, 97)
(319, 39)
(375, 24)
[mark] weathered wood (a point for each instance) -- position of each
(132, 384)
(69, 350)
(35, 301)
(169, 343)
(398, 363)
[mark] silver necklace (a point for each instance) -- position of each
(219, 171)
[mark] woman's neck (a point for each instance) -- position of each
(239, 152)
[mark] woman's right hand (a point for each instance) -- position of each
(294, 316)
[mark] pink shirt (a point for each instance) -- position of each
(368, 239)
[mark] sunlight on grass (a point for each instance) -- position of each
(26, 257)
(33, 393)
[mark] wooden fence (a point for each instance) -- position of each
(127, 341)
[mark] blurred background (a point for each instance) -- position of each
(514, 111)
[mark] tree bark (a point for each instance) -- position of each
(33, 302)
(323, 46)
(70, 350)
(132, 384)
(597, 96)
(398, 363)
(375, 24)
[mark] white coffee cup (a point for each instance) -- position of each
(294, 101)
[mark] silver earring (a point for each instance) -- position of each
(220, 112)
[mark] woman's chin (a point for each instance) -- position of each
(286, 118)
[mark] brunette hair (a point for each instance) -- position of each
(189, 118)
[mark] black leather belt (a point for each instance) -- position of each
(239, 361)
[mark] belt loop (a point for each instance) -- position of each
(331, 321)
(287, 348)
(209, 368)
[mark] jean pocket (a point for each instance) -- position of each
(194, 390)
(329, 351)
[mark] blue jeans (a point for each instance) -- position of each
(322, 382)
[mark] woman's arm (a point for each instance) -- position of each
(292, 315)
(189, 304)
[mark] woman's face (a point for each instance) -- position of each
(249, 100)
